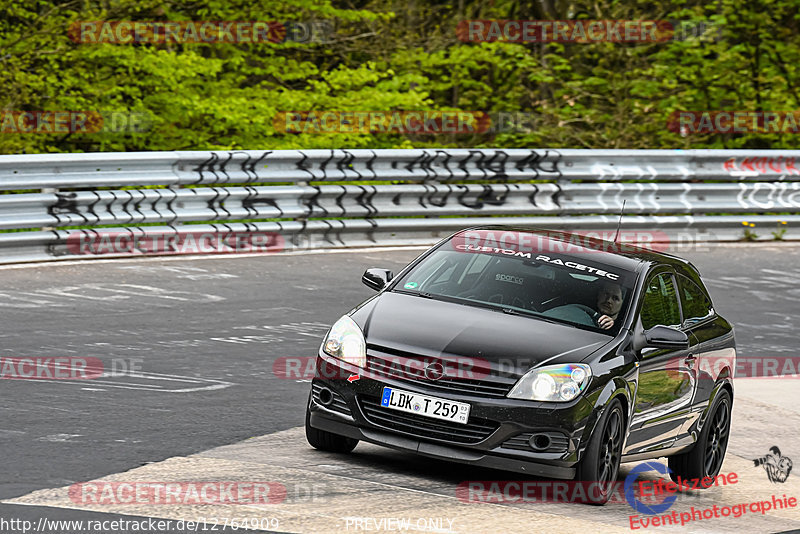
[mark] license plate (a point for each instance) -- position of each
(405, 401)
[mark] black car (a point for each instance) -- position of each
(544, 353)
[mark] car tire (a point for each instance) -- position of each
(706, 457)
(600, 465)
(327, 441)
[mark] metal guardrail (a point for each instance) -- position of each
(678, 195)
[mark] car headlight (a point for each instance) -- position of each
(554, 383)
(346, 342)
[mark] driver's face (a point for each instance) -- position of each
(609, 300)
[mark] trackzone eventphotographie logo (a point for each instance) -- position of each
(646, 496)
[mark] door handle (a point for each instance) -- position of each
(689, 361)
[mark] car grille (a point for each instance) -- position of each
(339, 405)
(389, 363)
(558, 442)
(474, 431)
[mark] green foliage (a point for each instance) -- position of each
(749, 235)
(399, 56)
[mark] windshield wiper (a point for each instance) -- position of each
(447, 298)
(528, 313)
(479, 304)
(423, 294)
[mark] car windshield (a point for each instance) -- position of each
(569, 289)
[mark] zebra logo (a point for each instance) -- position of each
(777, 467)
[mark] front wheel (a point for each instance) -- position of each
(705, 458)
(600, 465)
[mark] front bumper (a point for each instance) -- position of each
(495, 436)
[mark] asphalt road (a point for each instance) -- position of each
(201, 336)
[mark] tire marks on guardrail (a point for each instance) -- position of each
(493, 164)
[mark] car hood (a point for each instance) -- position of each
(431, 328)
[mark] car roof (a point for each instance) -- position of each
(621, 255)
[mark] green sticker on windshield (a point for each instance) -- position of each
(411, 285)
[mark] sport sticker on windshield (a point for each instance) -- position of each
(411, 285)
(508, 278)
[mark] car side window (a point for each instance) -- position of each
(660, 304)
(696, 305)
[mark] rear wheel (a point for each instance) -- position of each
(600, 465)
(326, 441)
(705, 458)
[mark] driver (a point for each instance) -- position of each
(609, 302)
(608, 305)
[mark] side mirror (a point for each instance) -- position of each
(377, 279)
(665, 337)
